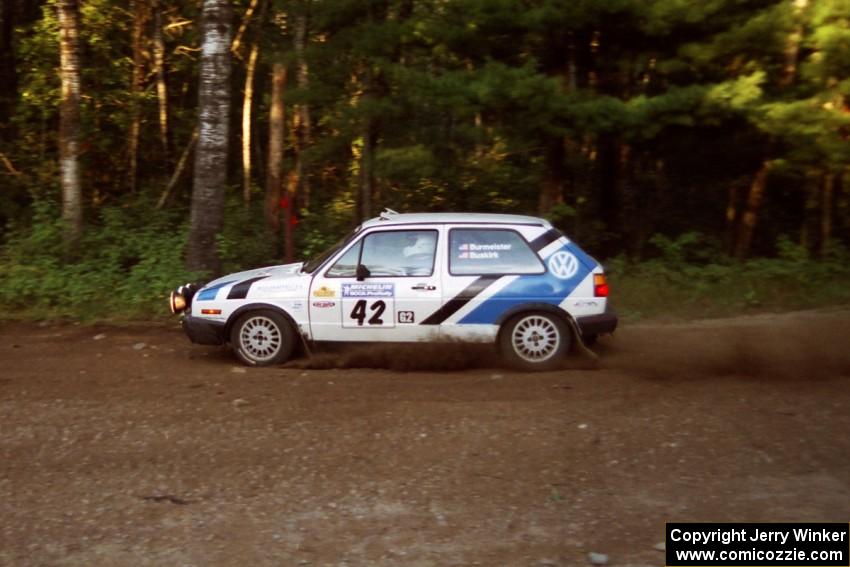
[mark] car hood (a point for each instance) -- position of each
(277, 272)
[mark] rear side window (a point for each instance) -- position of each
(488, 251)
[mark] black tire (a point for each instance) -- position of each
(534, 341)
(262, 338)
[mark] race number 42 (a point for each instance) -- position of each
(368, 313)
(376, 312)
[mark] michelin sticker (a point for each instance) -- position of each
(368, 290)
(368, 305)
(563, 265)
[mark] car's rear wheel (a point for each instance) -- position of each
(262, 338)
(534, 341)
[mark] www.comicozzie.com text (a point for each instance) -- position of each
(743, 534)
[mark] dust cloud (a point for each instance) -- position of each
(794, 346)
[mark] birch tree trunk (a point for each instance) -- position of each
(69, 122)
(213, 125)
(277, 120)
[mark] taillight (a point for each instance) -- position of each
(600, 285)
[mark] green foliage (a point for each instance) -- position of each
(689, 280)
(126, 268)
(662, 109)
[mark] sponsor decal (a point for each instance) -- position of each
(368, 290)
(482, 251)
(563, 265)
(406, 317)
(585, 304)
(296, 306)
(324, 304)
(368, 305)
(282, 286)
(324, 291)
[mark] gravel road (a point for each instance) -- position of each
(129, 446)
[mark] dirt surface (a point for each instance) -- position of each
(129, 446)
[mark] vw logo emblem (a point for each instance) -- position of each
(563, 265)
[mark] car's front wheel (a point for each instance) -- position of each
(262, 338)
(534, 341)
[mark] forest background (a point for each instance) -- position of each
(700, 148)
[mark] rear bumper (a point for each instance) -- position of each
(601, 324)
(202, 331)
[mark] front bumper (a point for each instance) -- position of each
(601, 324)
(202, 331)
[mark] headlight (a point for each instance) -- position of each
(181, 298)
(177, 303)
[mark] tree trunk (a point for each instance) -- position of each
(8, 70)
(826, 199)
(277, 122)
(181, 166)
(140, 18)
(303, 130)
(69, 122)
(608, 169)
(552, 192)
(289, 218)
(732, 196)
(749, 219)
(792, 45)
(161, 83)
(243, 27)
(367, 170)
(248, 99)
(207, 212)
(247, 104)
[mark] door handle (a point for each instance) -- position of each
(424, 287)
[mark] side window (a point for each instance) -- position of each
(346, 266)
(483, 251)
(400, 253)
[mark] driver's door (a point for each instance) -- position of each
(399, 288)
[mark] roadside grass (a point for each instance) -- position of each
(673, 287)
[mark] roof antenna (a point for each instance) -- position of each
(387, 213)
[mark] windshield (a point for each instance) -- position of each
(311, 266)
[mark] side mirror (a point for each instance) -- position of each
(362, 272)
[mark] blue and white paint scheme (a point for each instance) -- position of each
(417, 298)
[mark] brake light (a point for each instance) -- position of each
(600, 285)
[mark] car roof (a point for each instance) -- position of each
(389, 218)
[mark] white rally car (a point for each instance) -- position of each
(508, 279)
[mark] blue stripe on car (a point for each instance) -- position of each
(544, 288)
(209, 293)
